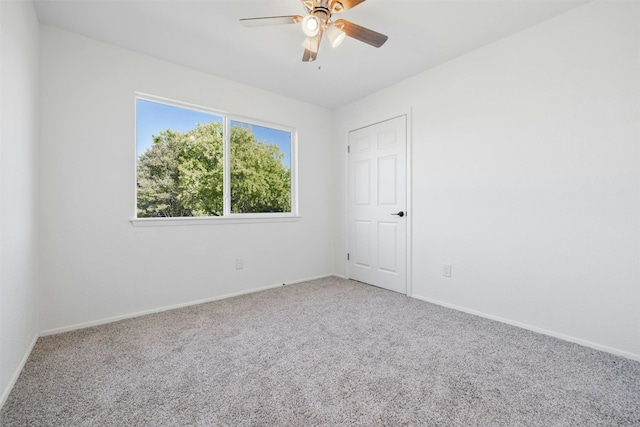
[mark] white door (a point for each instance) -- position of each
(377, 204)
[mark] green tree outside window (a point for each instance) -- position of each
(182, 174)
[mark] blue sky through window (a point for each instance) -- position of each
(153, 118)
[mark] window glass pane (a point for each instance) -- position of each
(180, 161)
(260, 169)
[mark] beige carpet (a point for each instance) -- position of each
(329, 352)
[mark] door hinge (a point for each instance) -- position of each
(348, 149)
(347, 256)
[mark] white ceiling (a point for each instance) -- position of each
(206, 35)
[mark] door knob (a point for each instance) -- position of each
(400, 214)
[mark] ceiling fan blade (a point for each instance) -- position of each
(271, 20)
(309, 56)
(311, 53)
(340, 5)
(361, 33)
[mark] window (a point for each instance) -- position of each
(196, 162)
(260, 169)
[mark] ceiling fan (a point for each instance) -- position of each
(317, 21)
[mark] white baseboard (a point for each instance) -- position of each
(564, 337)
(171, 307)
(16, 374)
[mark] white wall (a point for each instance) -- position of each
(526, 177)
(18, 140)
(95, 264)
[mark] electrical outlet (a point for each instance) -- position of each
(239, 264)
(446, 270)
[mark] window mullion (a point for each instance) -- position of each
(226, 180)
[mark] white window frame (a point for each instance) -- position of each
(227, 217)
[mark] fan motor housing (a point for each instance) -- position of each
(322, 14)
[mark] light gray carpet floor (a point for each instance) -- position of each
(328, 352)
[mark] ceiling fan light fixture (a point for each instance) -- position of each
(310, 26)
(336, 35)
(311, 44)
(317, 21)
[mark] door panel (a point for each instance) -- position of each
(387, 246)
(362, 186)
(362, 256)
(387, 181)
(377, 191)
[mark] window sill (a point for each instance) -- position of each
(244, 219)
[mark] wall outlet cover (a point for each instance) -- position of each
(446, 270)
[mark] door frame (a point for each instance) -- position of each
(364, 122)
